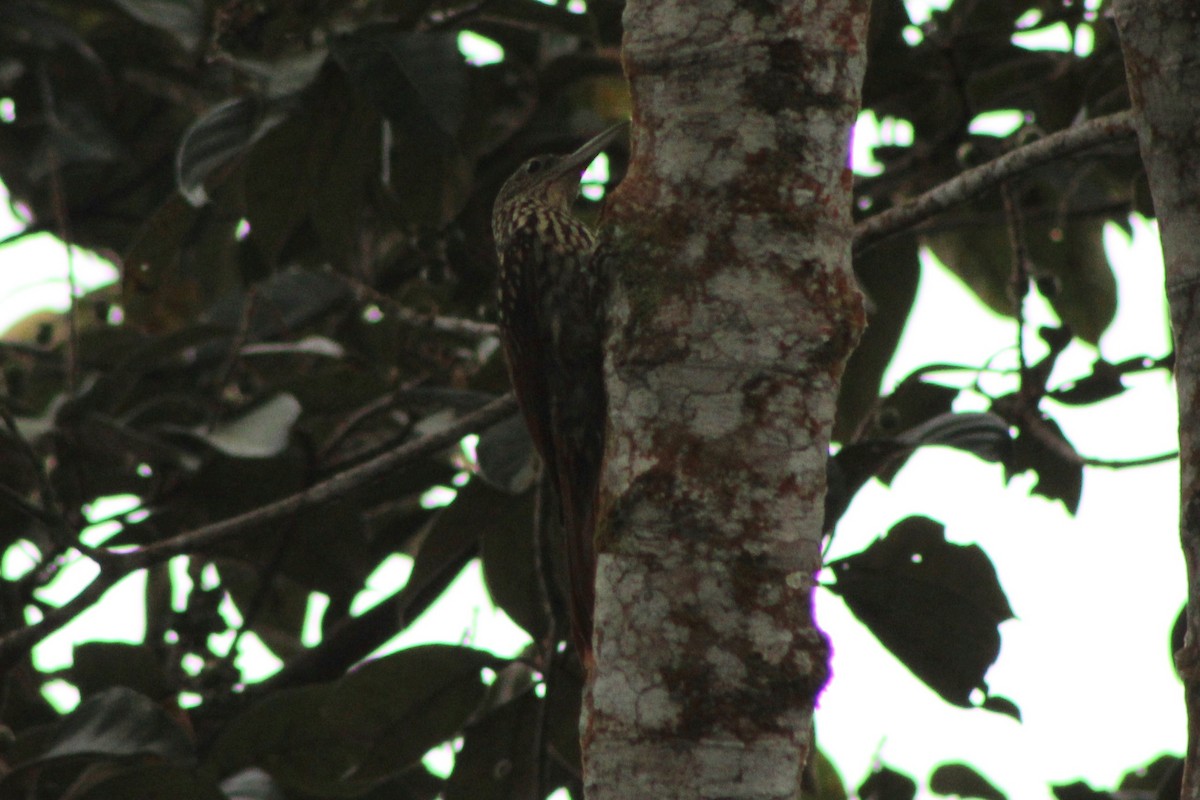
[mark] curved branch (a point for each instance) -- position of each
(327, 489)
(16, 644)
(1124, 463)
(1104, 130)
(417, 319)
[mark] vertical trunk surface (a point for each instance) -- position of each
(733, 311)
(1159, 39)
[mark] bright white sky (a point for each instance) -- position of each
(1087, 659)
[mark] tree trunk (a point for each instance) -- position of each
(732, 313)
(1159, 39)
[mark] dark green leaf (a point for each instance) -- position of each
(101, 665)
(1041, 447)
(1073, 253)
(396, 708)
(1163, 777)
(184, 19)
(119, 723)
(935, 605)
(888, 274)
(259, 432)
(287, 76)
(414, 79)
(1067, 252)
(1001, 705)
(1103, 383)
(914, 401)
(276, 612)
(500, 99)
(506, 456)
(509, 564)
(395, 73)
(509, 561)
(44, 29)
(160, 293)
(286, 736)
(341, 389)
(352, 172)
(312, 175)
(415, 783)
(564, 698)
(286, 301)
(155, 782)
(981, 434)
(282, 172)
(961, 780)
(826, 782)
(344, 738)
(212, 141)
(251, 784)
(498, 759)
(131, 353)
(451, 541)
(887, 784)
(225, 486)
(1079, 791)
(981, 256)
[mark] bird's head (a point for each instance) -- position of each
(554, 180)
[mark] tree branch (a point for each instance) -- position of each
(325, 490)
(16, 644)
(1112, 128)
(1162, 76)
(1123, 463)
(417, 319)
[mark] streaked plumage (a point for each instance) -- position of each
(552, 326)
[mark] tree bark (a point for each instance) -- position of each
(733, 310)
(1158, 38)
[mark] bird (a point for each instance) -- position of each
(551, 321)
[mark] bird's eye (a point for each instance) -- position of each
(534, 166)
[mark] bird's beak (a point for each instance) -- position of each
(575, 163)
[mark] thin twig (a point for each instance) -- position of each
(1105, 130)
(1020, 271)
(459, 325)
(965, 219)
(459, 17)
(1124, 463)
(415, 319)
(355, 418)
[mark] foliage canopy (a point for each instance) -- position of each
(299, 197)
